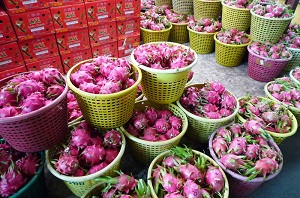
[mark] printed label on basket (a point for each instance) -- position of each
(100, 11)
(263, 62)
(76, 183)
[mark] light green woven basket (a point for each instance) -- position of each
(163, 2)
(183, 6)
(155, 36)
(294, 62)
(201, 42)
(207, 9)
(179, 33)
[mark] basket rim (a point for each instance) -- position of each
(214, 1)
(204, 33)
(235, 8)
(293, 49)
(292, 76)
(294, 126)
(198, 118)
(179, 24)
(233, 45)
(272, 19)
(190, 81)
(238, 176)
(157, 31)
(270, 59)
(167, 71)
(91, 176)
(38, 111)
(211, 160)
(100, 96)
(159, 143)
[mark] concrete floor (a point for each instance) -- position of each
(237, 81)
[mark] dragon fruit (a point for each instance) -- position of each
(238, 145)
(51, 76)
(54, 91)
(29, 164)
(151, 115)
(214, 178)
(220, 146)
(277, 10)
(97, 167)
(191, 189)
(170, 183)
(113, 139)
(33, 102)
(111, 155)
(171, 161)
(172, 133)
(232, 161)
(80, 77)
(162, 125)
(80, 138)
(208, 25)
(252, 151)
(189, 171)
(263, 167)
(7, 97)
(11, 182)
(93, 154)
(9, 111)
(24, 89)
(176, 122)
(67, 164)
(233, 37)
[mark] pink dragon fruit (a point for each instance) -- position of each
(80, 77)
(238, 146)
(165, 113)
(11, 182)
(118, 74)
(214, 177)
(171, 183)
(9, 111)
(232, 162)
(220, 146)
(51, 76)
(111, 193)
(67, 164)
(93, 154)
(80, 138)
(140, 122)
(71, 150)
(171, 133)
(75, 113)
(189, 171)
(24, 89)
(191, 189)
(252, 151)
(29, 164)
(73, 105)
(151, 115)
(111, 154)
(89, 87)
(263, 167)
(33, 102)
(174, 195)
(162, 125)
(97, 167)
(18, 79)
(7, 97)
(54, 91)
(110, 87)
(112, 139)
(5, 159)
(176, 122)
(79, 173)
(91, 68)
(171, 161)
(132, 131)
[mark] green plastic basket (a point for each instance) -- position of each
(295, 61)
(201, 42)
(200, 128)
(179, 33)
(207, 9)
(183, 6)
(264, 29)
(163, 2)
(292, 76)
(155, 36)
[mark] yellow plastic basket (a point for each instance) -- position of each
(183, 6)
(230, 55)
(264, 29)
(164, 86)
(201, 42)
(232, 17)
(161, 156)
(79, 185)
(155, 36)
(179, 33)
(145, 151)
(200, 128)
(207, 9)
(106, 110)
(94, 191)
(295, 61)
(163, 2)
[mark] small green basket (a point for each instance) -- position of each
(155, 36)
(201, 42)
(179, 33)
(163, 2)
(295, 61)
(207, 9)
(183, 6)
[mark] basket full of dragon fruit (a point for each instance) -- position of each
(274, 117)
(247, 154)
(207, 107)
(33, 109)
(295, 75)
(22, 174)
(105, 89)
(183, 172)
(165, 76)
(153, 129)
(85, 154)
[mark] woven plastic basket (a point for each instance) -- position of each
(190, 81)
(232, 17)
(264, 29)
(230, 55)
(183, 6)
(238, 184)
(79, 185)
(155, 36)
(106, 110)
(163, 2)
(295, 61)
(201, 42)
(37, 130)
(200, 128)
(94, 191)
(179, 33)
(145, 151)
(292, 76)
(164, 86)
(207, 9)
(264, 69)
(161, 156)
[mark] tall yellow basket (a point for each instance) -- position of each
(207, 9)
(155, 36)
(179, 33)
(201, 42)
(183, 6)
(163, 2)
(232, 17)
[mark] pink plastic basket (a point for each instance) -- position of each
(264, 69)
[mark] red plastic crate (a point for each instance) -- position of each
(18, 6)
(68, 60)
(109, 49)
(103, 33)
(126, 9)
(38, 48)
(67, 18)
(54, 62)
(127, 45)
(29, 25)
(13, 71)
(55, 3)
(7, 33)
(73, 41)
(129, 27)
(10, 56)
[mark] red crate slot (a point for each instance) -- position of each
(28, 25)
(13, 71)
(10, 56)
(126, 9)
(55, 3)
(7, 33)
(126, 46)
(18, 6)
(130, 27)
(68, 60)
(104, 33)
(100, 11)
(109, 49)
(54, 62)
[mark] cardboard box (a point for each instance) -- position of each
(55, 3)
(18, 6)
(7, 33)
(104, 33)
(73, 41)
(100, 11)
(130, 27)
(67, 18)
(126, 9)
(11, 72)
(68, 60)
(29, 25)
(54, 62)
(10, 56)
(109, 49)
(38, 48)
(127, 45)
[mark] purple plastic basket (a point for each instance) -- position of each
(264, 69)
(238, 186)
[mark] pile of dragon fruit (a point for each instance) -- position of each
(294, 28)
(16, 169)
(296, 73)
(87, 151)
(270, 50)
(292, 37)
(163, 56)
(154, 125)
(245, 150)
(147, 4)
(74, 111)
(248, 4)
(233, 36)
(286, 91)
(273, 116)
(177, 18)
(208, 25)
(104, 75)
(183, 173)
(29, 92)
(211, 101)
(155, 19)
(277, 10)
